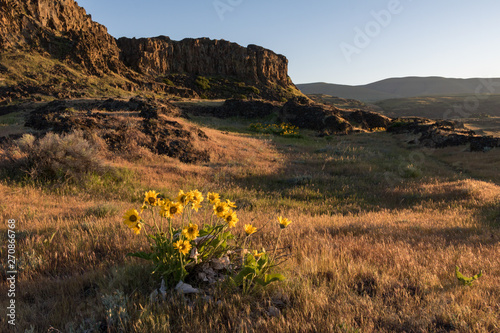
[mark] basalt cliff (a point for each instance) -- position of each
(53, 47)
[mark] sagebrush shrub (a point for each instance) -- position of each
(55, 157)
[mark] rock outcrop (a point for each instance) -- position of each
(150, 126)
(441, 133)
(367, 119)
(235, 108)
(303, 113)
(61, 29)
(161, 55)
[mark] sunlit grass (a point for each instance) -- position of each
(374, 248)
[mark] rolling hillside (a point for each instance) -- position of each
(442, 107)
(404, 87)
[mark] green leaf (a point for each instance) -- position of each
(250, 261)
(273, 277)
(242, 275)
(467, 281)
(269, 278)
(142, 255)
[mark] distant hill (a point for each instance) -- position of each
(404, 87)
(343, 103)
(441, 107)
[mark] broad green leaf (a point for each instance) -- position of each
(269, 278)
(274, 277)
(238, 279)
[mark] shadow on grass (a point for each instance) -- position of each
(414, 235)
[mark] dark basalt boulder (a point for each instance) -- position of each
(304, 113)
(152, 129)
(442, 133)
(235, 108)
(366, 119)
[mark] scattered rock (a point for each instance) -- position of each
(274, 311)
(220, 263)
(159, 294)
(153, 130)
(184, 288)
(440, 134)
(300, 180)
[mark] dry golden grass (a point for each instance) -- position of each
(484, 126)
(369, 254)
(472, 164)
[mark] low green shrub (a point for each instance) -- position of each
(203, 82)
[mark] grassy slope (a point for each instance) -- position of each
(344, 91)
(451, 106)
(34, 69)
(402, 88)
(377, 231)
(21, 68)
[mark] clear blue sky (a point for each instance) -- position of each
(327, 40)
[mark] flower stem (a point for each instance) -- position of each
(182, 266)
(276, 246)
(170, 229)
(154, 220)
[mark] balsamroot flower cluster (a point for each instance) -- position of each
(281, 129)
(190, 229)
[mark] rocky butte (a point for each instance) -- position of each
(62, 30)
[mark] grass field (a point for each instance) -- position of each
(378, 228)
(442, 107)
(484, 126)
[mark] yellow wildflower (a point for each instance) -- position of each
(133, 220)
(163, 201)
(196, 196)
(184, 198)
(230, 203)
(191, 231)
(231, 218)
(136, 228)
(131, 216)
(196, 206)
(284, 222)
(249, 229)
(196, 199)
(213, 197)
(171, 209)
(151, 198)
(183, 246)
(220, 209)
(256, 254)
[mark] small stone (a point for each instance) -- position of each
(161, 292)
(274, 311)
(184, 288)
(220, 263)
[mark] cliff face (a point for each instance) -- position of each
(63, 30)
(203, 56)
